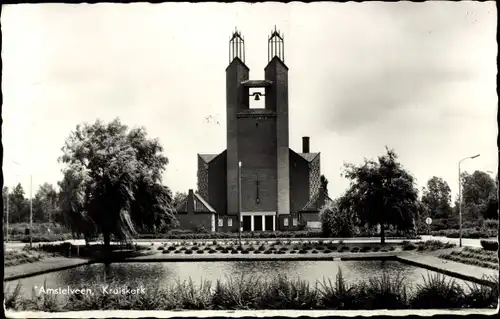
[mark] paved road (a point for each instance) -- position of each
(465, 241)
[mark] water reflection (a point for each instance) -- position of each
(166, 273)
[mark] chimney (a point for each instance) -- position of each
(190, 202)
(305, 144)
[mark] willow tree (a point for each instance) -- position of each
(382, 193)
(116, 175)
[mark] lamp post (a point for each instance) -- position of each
(460, 196)
(240, 224)
(7, 219)
(7, 211)
(31, 207)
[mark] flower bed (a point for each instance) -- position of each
(305, 247)
(473, 256)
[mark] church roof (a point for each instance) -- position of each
(207, 157)
(200, 205)
(314, 203)
(204, 203)
(256, 83)
(308, 156)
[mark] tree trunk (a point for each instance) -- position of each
(107, 240)
(382, 233)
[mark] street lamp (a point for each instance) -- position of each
(239, 202)
(7, 208)
(31, 207)
(460, 195)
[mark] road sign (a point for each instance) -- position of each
(428, 220)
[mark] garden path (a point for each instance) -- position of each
(450, 268)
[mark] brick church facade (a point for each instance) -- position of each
(280, 188)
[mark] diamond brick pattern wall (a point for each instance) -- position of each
(314, 176)
(202, 178)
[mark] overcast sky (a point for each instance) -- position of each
(417, 77)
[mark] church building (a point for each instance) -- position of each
(258, 183)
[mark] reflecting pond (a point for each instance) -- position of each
(164, 273)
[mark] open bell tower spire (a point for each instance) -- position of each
(236, 46)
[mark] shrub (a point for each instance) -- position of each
(240, 293)
(165, 251)
(177, 251)
(337, 222)
(161, 248)
(409, 246)
(212, 251)
(200, 251)
(188, 251)
(302, 251)
(355, 249)
(482, 296)
(171, 248)
(386, 292)
(437, 293)
(282, 293)
(489, 245)
(491, 224)
(293, 251)
(234, 251)
(339, 295)
(314, 252)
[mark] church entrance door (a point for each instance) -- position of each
(268, 223)
(257, 223)
(247, 223)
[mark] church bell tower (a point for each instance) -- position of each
(258, 138)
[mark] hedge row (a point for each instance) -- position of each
(474, 233)
(277, 234)
(489, 245)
